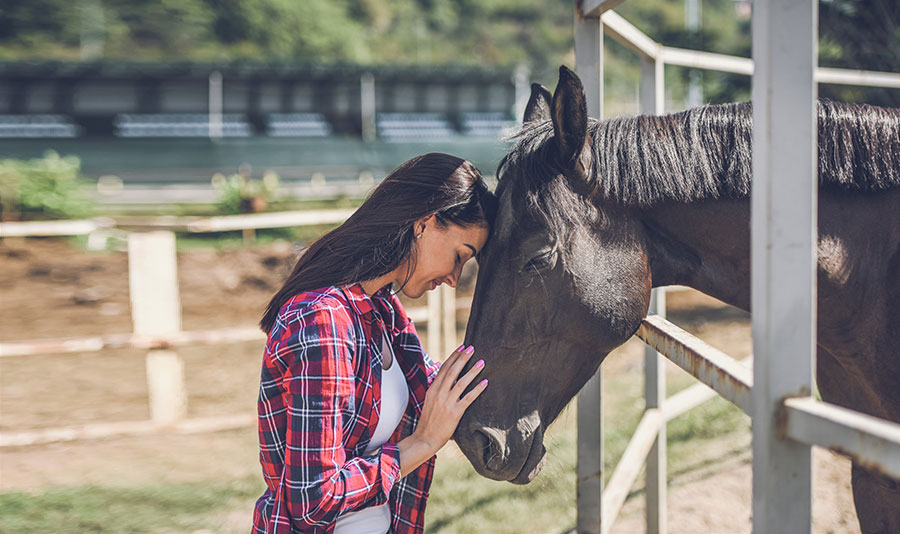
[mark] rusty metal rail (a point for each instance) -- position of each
(727, 376)
(872, 442)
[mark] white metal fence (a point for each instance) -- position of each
(783, 248)
(156, 318)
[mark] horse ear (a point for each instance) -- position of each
(538, 107)
(570, 119)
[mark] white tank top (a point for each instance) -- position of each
(394, 398)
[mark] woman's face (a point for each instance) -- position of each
(441, 254)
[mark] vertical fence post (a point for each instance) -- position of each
(156, 311)
(215, 105)
(434, 325)
(589, 66)
(653, 103)
(448, 323)
(655, 394)
(367, 105)
(783, 254)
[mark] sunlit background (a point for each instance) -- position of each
(196, 119)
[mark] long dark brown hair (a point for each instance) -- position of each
(379, 236)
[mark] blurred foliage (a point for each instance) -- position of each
(875, 45)
(538, 33)
(46, 188)
(240, 193)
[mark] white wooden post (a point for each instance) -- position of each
(367, 105)
(434, 326)
(655, 395)
(783, 250)
(653, 103)
(589, 66)
(156, 311)
(215, 105)
(448, 321)
(442, 339)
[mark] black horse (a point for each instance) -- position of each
(593, 214)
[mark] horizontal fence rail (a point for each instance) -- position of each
(197, 425)
(726, 375)
(638, 42)
(182, 338)
(872, 442)
(224, 223)
(54, 228)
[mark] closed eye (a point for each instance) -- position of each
(542, 261)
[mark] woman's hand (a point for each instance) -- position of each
(444, 406)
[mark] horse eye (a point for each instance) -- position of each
(542, 261)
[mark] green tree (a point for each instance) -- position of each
(860, 34)
(312, 30)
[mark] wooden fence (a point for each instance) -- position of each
(156, 318)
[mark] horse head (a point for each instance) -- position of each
(563, 280)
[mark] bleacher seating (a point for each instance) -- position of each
(414, 126)
(19, 126)
(178, 125)
(297, 125)
(493, 125)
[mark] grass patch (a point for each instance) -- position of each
(109, 510)
(463, 502)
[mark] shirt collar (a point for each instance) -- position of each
(359, 299)
(395, 319)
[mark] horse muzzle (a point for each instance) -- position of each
(515, 454)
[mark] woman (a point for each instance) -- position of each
(347, 431)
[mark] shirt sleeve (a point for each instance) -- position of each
(319, 482)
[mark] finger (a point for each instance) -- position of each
(446, 367)
(461, 361)
(470, 397)
(467, 379)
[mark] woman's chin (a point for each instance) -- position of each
(414, 293)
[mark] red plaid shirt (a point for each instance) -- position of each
(319, 403)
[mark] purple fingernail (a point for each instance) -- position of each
(483, 382)
(461, 347)
(480, 363)
(470, 350)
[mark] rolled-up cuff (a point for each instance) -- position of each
(390, 467)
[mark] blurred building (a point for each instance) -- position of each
(105, 99)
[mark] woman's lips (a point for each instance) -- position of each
(434, 284)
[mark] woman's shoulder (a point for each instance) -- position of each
(315, 306)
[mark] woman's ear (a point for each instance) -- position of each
(423, 224)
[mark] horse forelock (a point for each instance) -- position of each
(531, 178)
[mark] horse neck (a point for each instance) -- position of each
(703, 245)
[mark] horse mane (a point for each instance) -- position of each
(704, 153)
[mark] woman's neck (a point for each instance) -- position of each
(372, 286)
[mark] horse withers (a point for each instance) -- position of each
(593, 214)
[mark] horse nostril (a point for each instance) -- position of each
(493, 446)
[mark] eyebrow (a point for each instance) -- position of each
(474, 252)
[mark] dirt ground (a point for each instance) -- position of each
(50, 289)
